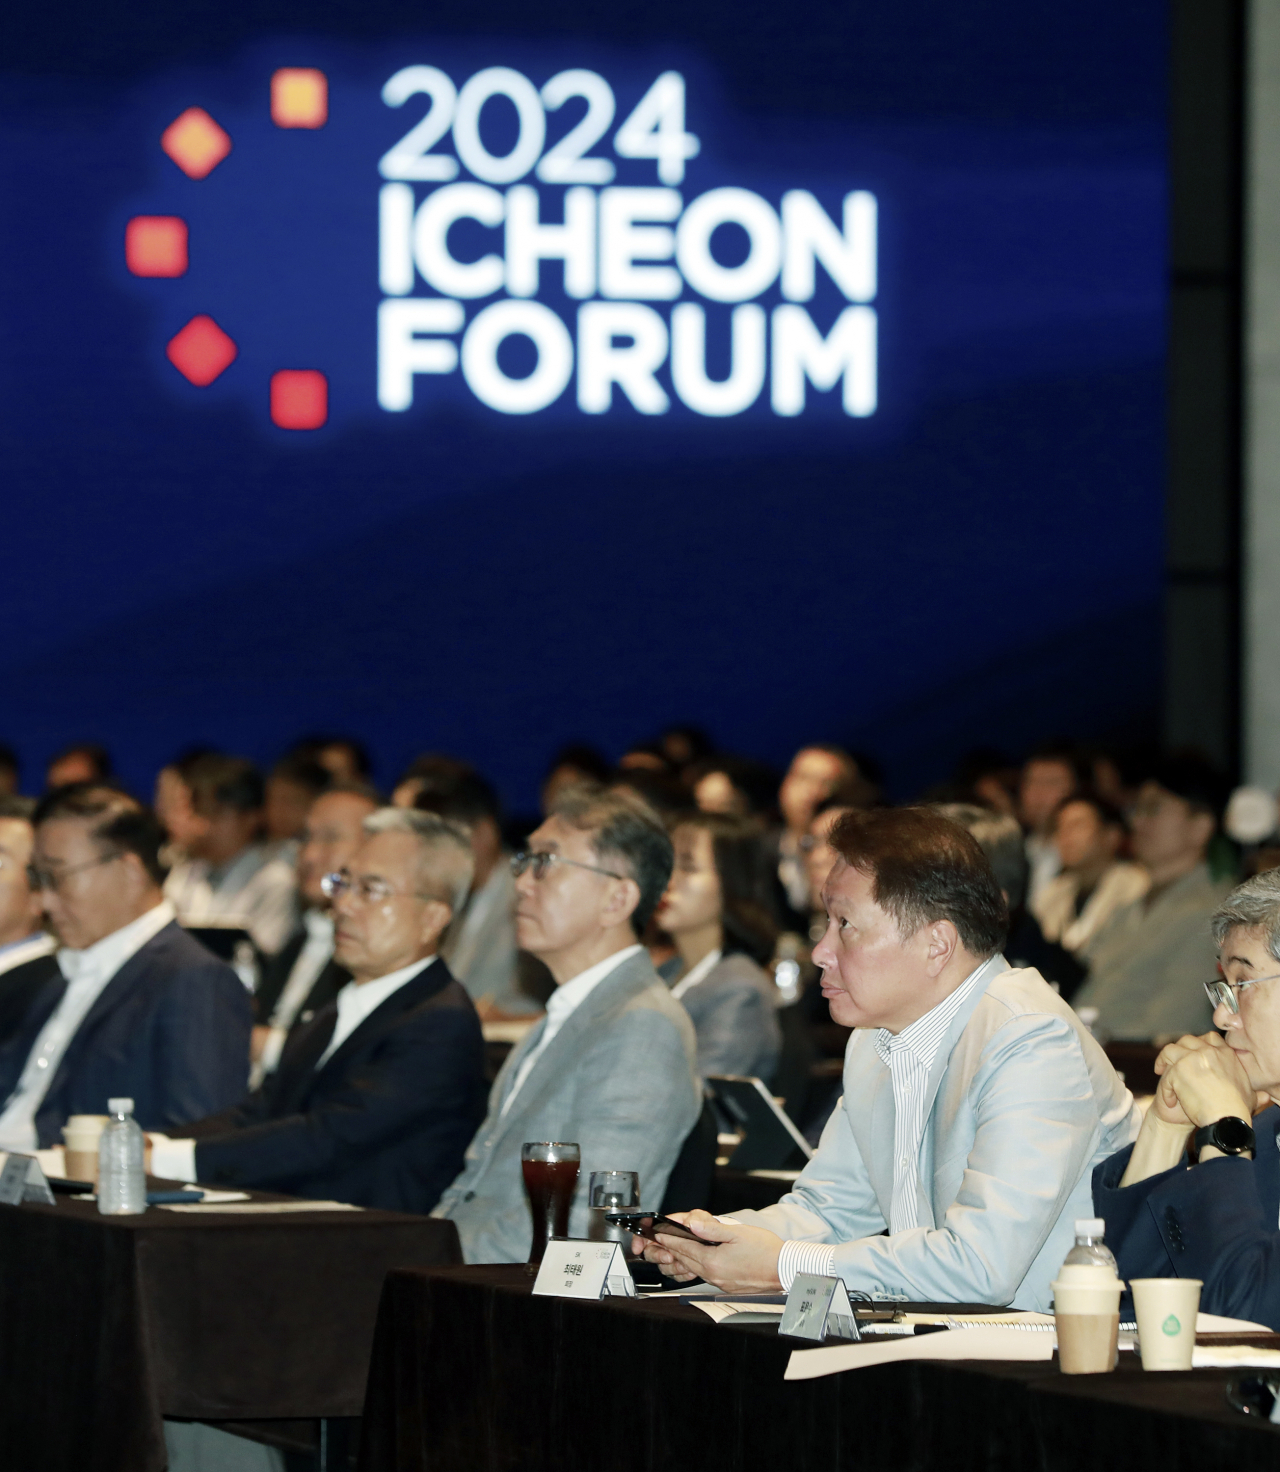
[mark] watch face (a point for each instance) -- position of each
(1233, 1135)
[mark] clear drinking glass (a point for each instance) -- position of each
(611, 1190)
(550, 1170)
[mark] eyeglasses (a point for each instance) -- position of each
(367, 891)
(1224, 993)
(46, 879)
(540, 862)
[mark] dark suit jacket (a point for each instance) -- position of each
(19, 987)
(275, 977)
(1215, 1222)
(384, 1122)
(170, 1030)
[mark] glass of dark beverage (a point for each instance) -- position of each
(550, 1169)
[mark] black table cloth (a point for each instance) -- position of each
(109, 1324)
(470, 1373)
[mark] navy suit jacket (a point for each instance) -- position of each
(1216, 1222)
(384, 1122)
(170, 1031)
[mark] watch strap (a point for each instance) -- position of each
(1232, 1135)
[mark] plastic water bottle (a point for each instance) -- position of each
(1090, 1250)
(122, 1181)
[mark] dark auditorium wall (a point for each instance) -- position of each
(979, 561)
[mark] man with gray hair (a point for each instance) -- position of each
(1216, 1220)
(375, 1098)
(613, 1065)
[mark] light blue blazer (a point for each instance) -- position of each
(1022, 1104)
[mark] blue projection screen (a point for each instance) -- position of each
(797, 376)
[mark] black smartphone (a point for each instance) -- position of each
(650, 1223)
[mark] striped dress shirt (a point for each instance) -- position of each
(909, 1056)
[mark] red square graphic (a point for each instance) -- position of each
(201, 351)
(299, 398)
(156, 245)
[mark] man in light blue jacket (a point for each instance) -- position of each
(975, 1104)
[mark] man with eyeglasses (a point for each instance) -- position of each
(136, 1007)
(375, 1098)
(613, 1065)
(1218, 1220)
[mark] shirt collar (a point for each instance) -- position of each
(924, 1036)
(366, 995)
(697, 973)
(106, 956)
(576, 990)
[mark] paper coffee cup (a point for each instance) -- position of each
(1086, 1313)
(1166, 1311)
(81, 1135)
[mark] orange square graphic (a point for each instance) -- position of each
(299, 398)
(195, 143)
(156, 245)
(299, 97)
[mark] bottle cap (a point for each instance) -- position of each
(120, 1106)
(1090, 1226)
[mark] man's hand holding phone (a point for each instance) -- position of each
(734, 1257)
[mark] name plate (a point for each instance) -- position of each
(816, 1307)
(579, 1269)
(21, 1179)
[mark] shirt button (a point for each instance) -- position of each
(470, 1196)
(42, 1062)
(903, 1161)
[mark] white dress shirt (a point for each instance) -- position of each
(909, 1057)
(315, 955)
(29, 948)
(561, 1005)
(175, 1160)
(87, 973)
(695, 974)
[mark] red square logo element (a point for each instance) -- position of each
(201, 351)
(156, 245)
(195, 143)
(299, 398)
(299, 97)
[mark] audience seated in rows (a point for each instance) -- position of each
(1088, 832)
(26, 947)
(1147, 963)
(374, 1099)
(137, 1008)
(613, 1065)
(715, 911)
(481, 944)
(1214, 1220)
(1049, 776)
(303, 977)
(975, 1103)
(229, 876)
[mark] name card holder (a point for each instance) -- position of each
(816, 1307)
(21, 1179)
(579, 1269)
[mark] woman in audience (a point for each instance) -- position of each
(714, 912)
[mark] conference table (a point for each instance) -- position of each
(260, 1323)
(471, 1373)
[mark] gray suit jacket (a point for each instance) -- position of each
(1022, 1104)
(735, 1019)
(619, 1078)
